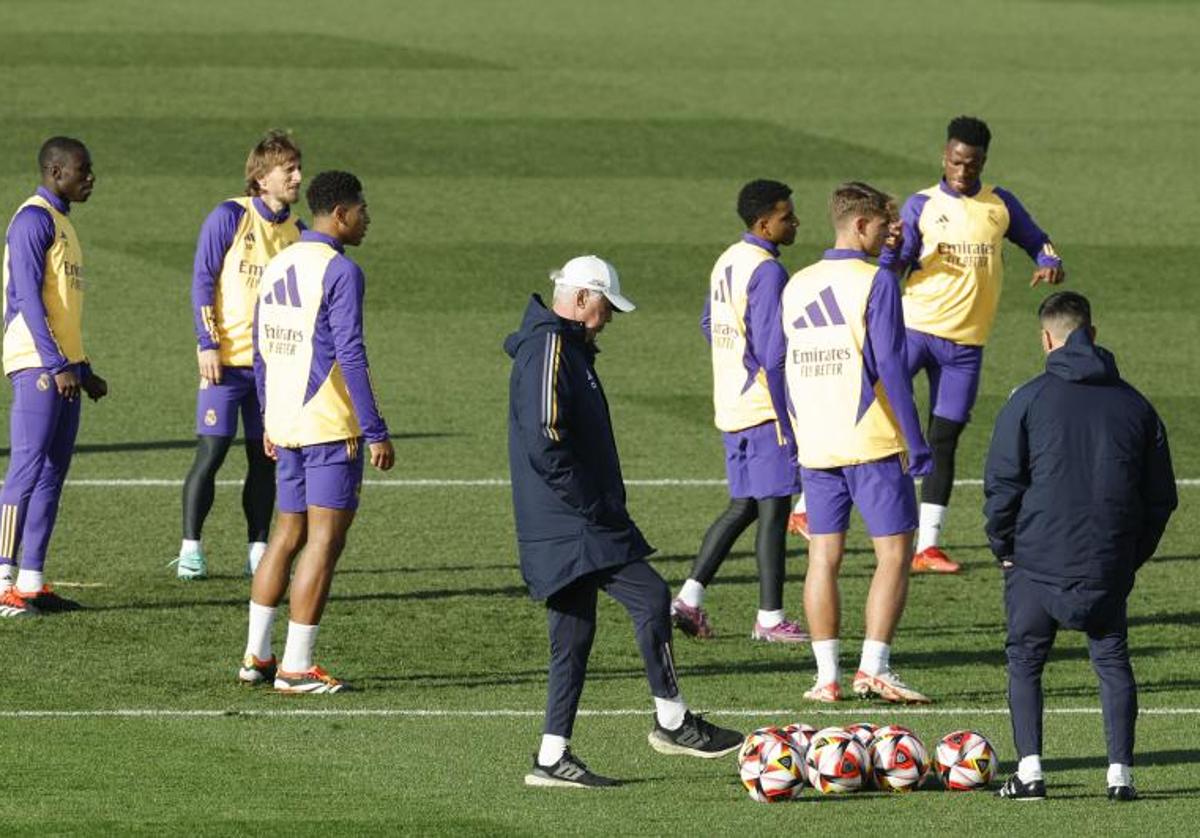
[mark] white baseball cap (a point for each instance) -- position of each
(595, 274)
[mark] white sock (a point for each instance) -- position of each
(187, 547)
(800, 506)
(298, 653)
(770, 619)
(258, 638)
(553, 747)
(692, 593)
(930, 530)
(1030, 768)
(670, 712)
(826, 653)
(256, 550)
(29, 581)
(876, 657)
(6, 577)
(1119, 774)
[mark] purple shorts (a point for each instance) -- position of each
(328, 474)
(217, 405)
(953, 370)
(883, 492)
(757, 466)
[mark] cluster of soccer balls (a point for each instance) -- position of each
(775, 763)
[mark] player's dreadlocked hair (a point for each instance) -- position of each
(1065, 311)
(860, 199)
(759, 197)
(969, 130)
(333, 189)
(58, 149)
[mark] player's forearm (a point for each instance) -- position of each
(362, 397)
(885, 331)
(706, 321)
(204, 320)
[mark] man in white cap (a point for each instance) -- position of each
(574, 533)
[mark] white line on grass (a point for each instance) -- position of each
(483, 482)
(162, 713)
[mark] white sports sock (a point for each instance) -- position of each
(826, 653)
(553, 747)
(770, 619)
(258, 638)
(670, 712)
(29, 581)
(1030, 768)
(692, 593)
(187, 547)
(800, 506)
(1119, 774)
(298, 653)
(256, 550)
(876, 657)
(930, 530)
(6, 577)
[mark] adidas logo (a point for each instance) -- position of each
(249, 240)
(724, 288)
(285, 292)
(823, 311)
(994, 218)
(942, 219)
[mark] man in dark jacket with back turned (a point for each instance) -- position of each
(574, 534)
(1078, 488)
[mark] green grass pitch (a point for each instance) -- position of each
(495, 141)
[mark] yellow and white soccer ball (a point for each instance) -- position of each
(836, 762)
(899, 760)
(965, 761)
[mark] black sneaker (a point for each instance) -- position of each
(568, 773)
(1122, 793)
(695, 737)
(1014, 789)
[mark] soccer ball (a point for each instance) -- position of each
(899, 761)
(799, 735)
(965, 761)
(769, 768)
(864, 732)
(836, 762)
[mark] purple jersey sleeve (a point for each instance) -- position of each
(706, 321)
(910, 219)
(345, 285)
(260, 367)
(30, 236)
(1024, 232)
(885, 332)
(216, 236)
(764, 332)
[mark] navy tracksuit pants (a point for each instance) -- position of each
(1036, 610)
(572, 615)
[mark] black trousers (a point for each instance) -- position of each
(572, 616)
(1036, 610)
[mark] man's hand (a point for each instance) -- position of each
(67, 383)
(383, 456)
(920, 461)
(269, 447)
(1050, 276)
(95, 387)
(210, 365)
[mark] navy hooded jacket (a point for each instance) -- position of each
(567, 489)
(1078, 482)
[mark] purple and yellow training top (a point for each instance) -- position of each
(952, 245)
(43, 287)
(310, 364)
(237, 241)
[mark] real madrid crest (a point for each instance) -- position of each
(43, 382)
(210, 417)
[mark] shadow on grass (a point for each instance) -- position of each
(1173, 757)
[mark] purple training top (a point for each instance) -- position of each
(1022, 230)
(337, 336)
(766, 345)
(216, 237)
(30, 236)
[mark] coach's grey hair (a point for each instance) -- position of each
(565, 293)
